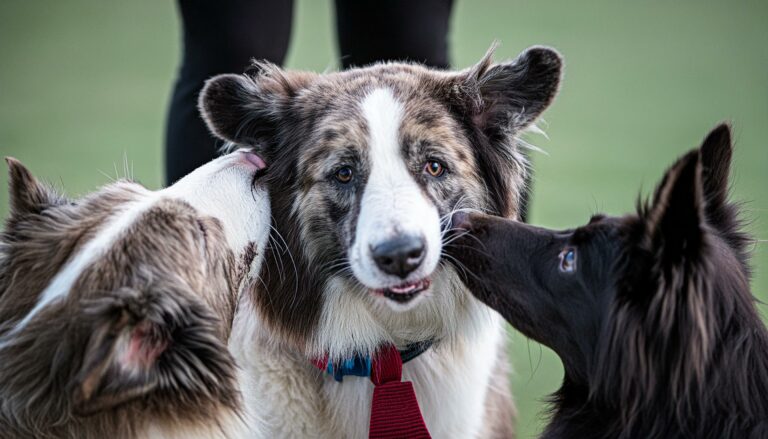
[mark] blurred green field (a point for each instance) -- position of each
(84, 84)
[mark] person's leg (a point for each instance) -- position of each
(218, 37)
(396, 30)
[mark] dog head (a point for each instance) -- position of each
(366, 165)
(125, 298)
(632, 304)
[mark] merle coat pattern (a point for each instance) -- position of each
(373, 155)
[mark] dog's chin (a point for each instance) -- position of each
(405, 296)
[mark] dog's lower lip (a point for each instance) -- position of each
(405, 292)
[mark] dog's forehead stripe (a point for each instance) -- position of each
(101, 242)
(383, 114)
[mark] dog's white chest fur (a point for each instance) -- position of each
(450, 384)
(289, 397)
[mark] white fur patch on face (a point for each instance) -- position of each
(392, 203)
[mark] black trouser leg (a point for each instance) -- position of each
(396, 30)
(219, 37)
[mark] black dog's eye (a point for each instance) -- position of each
(434, 168)
(344, 174)
(568, 260)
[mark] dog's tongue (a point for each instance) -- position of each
(255, 160)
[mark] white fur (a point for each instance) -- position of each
(223, 189)
(290, 398)
(392, 201)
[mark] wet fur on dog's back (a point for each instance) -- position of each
(654, 321)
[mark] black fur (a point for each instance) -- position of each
(657, 328)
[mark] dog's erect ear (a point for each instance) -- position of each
(27, 194)
(674, 221)
(248, 109)
(142, 343)
(510, 96)
(716, 153)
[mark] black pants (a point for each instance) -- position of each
(223, 36)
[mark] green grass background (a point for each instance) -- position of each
(84, 84)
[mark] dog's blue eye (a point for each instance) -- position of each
(568, 260)
(344, 174)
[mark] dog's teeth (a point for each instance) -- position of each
(403, 289)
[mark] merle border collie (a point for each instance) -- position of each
(116, 309)
(651, 313)
(365, 168)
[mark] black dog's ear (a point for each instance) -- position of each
(508, 97)
(716, 154)
(248, 109)
(674, 220)
(150, 343)
(27, 194)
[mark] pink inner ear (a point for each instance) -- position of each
(144, 347)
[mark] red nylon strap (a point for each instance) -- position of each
(395, 411)
(321, 362)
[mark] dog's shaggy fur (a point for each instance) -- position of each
(650, 313)
(323, 291)
(116, 309)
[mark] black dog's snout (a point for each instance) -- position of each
(460, 220)
(400, 256)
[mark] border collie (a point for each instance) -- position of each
(365, 168)
(116, 309)
(651, 313)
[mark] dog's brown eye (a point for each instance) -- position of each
(344, 174)
(568, 260)
(434, 168)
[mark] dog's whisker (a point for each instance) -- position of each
(109, 177)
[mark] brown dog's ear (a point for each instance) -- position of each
(27, 195)
(145, 344)
(674, 221)
(248, 109)
(512, 95)
(121, 358)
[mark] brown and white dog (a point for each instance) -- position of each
(365, 168)
(116, 309)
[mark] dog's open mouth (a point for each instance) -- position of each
(404, 293)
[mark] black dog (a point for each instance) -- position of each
(651, 313)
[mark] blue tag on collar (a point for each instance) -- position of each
(360, 365)
(356, 366)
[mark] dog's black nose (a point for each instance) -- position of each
(400, 256)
